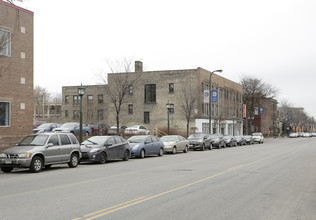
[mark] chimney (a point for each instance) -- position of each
(138, 66)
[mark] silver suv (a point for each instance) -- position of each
(36, 151)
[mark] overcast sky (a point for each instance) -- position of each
(273, 40)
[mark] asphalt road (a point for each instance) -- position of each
(274, 180)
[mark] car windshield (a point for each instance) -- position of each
(213, 136)
(135, 126)
(42, 126)
(168, 139)
(196, 136)
(68, 125)
(137, 139)
(95, 140)
(34, 140)
(256, 134)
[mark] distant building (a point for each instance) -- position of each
(94, 102)
(16, 73)
(146, 101)
(266, 118)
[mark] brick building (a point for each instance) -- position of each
(94, 102)
(266, 118)
(147, 98)
(16, 73)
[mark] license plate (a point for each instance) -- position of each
(8, 161)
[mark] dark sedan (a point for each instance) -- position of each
(240, 140)
(46, 127)
(217, 140)
(230, 141)
(249, 139)
(99, 149)
(74, 128)
(199, 141)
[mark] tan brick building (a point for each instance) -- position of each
(146, 100)
(16, 73)
(94, 104)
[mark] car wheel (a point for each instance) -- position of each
(74, 160)
(102, 158)
(6, 169)
(211, 147)
(142, 153)
(236, 144)
(36, 164)
(160, 152)
(203, 147)
(174, 150)
(224, 146)
(126, 155)
(185, 149)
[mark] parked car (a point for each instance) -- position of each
(36, 151)
(102, 148)
(98, 129)
(74, 128)
(175, 143)
(199, 141)
(135, 130)
(293, 135)
(37, 123)
(217, 140)
(313, 134)
(249, 139)
(307, 135)
(144, 145)
(46, 127)
(300, 134)
(258, 137)
(113, 130)
(230, 141)
(240, 140)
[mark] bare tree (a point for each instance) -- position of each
(41, 96)
(255, 91)
(189, 102)
(120, 81)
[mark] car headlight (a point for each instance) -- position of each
(136, 146)
(24, 155)
(3, 155)
(94, 150)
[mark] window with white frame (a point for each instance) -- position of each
(4, 114)
(5, 43)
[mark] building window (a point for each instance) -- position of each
(90, 99)
(5, 43)
(76, 99)
(130, 89)
(171, 88)
(146, 118)
(66, 114)
(75, 114)
(89, 114)
(66, 99)
(4, 114)
(100, 114)
(150, 93)
(130, 109)
(100, 98)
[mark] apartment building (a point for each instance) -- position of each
(16, 73)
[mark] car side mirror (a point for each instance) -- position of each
(50, 144)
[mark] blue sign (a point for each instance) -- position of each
(261, 111)
(214, 95)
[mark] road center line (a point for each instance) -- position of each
(147, 198)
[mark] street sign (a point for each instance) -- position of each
(206, 96)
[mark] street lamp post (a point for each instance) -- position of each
(81, 93)
(233, 125)
(168, 111)
(210, 100)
